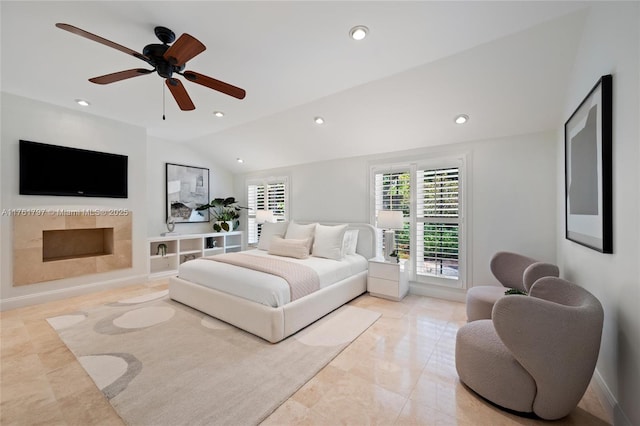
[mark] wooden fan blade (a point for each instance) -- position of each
(184, 48)
(214, 84)
(121, 75)
(90, 36)
(180, 94)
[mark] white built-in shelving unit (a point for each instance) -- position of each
(183, 247)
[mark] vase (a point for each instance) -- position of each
(223, 226)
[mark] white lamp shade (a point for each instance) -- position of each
(263, 216)
(390, 219)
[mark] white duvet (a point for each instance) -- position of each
(261, 287)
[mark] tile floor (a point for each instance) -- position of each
(401, 371)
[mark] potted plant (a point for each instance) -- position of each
(225, 213)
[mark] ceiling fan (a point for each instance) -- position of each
(167, 60)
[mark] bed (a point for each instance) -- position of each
(237, 299)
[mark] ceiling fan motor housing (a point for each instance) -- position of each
(155, 52)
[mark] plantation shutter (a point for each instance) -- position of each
(437, 222)
(393, 192)
(255, 197)
(265, 195)
(276, 200)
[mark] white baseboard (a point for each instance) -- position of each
(63, 293)
(439, 292)
(604, 394)
(609, 402)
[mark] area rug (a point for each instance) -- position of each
(162, 363)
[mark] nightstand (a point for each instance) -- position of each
(387, 280)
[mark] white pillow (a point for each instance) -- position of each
(290, 247)
(328, 241)
(270, 230)
(350, 242)
(301, 232)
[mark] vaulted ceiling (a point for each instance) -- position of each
(505, 64)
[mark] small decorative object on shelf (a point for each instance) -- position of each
(162, 249)
(210, 242)
(171, 225)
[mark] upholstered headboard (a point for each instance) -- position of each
(367, 239)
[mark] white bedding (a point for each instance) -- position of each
(265, 288)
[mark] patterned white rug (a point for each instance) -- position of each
(162, 363)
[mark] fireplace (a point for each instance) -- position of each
(74, 243)
(54, 246)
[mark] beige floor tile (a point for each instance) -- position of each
(48, 414)
(294, 413)
(399, 371)
(60, 378)
(19, 368)
(415, 413)
(344, 397)
(88, 409)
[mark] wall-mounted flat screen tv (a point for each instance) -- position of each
(59, 170)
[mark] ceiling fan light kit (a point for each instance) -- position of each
(167, 60)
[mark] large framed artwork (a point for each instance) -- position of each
(588, 170)
(187, 188)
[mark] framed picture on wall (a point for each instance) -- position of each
(588, 170)
(187, 189)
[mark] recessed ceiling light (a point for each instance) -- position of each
(82, 102)
(239, 160)
(218, 114)
(319, 120)
(358, 32)
(461, 119)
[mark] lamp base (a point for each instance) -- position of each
(389, 246)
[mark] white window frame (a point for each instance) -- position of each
(251, 213)
(431, 163)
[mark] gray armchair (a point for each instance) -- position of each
(538, 352)
(512, 270)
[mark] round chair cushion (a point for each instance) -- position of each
(480, 301)
(486, 366)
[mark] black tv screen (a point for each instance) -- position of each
(59, 170)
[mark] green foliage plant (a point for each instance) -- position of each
(223, 211)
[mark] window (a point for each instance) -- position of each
(268, 194)
(430, 197)
(393, 193)
(437, 222)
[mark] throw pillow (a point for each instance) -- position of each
(328, 240)
(289, 247)
(297, 231)
(270, 230)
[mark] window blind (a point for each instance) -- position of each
(265, 195)
(428, 192)
(437, 222)
(393, 192)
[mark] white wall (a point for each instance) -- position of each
(160, 152)
(610, 45)
(40, 122)
(512, 183)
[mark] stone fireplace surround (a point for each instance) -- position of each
(53, 245)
